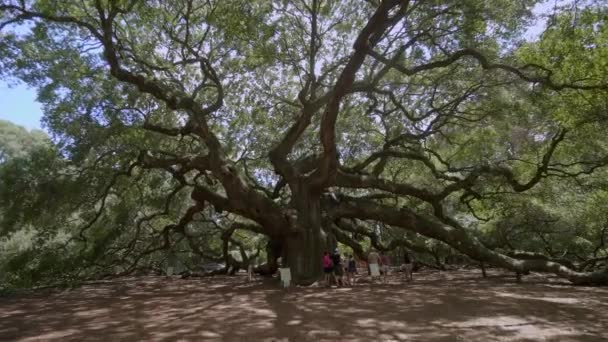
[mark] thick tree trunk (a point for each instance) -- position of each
(274, 248)
(304, 249)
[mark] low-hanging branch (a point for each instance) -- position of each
(456, 237)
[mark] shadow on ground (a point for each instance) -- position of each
(455, 306)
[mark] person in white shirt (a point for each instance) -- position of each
(373, 261)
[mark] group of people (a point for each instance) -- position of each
(335, 267)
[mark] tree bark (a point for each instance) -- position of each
(304, 248)
(274, 249)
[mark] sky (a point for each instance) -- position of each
(18, 103)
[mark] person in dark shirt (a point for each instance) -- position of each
(351, 269)
(384, 266)
(408, 265)
(338, 268)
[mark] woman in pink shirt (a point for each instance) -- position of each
(328, 267)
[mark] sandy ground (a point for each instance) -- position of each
(447, 306)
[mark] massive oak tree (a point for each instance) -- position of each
(313, 122)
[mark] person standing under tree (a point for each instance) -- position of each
(338, 268)
(407, 266)
(328, 268)
(372, 261)
(250, 271)
(351, 269)
(384, 266)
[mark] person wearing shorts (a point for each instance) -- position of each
(384, 266)
(373, 261)
(407, 267)
(338, 268)
(351, 269)
(328, 268)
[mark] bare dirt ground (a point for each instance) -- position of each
(446, 306)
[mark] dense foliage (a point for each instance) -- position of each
(191, 130)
